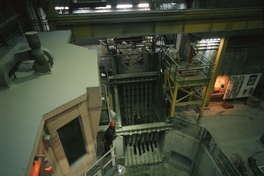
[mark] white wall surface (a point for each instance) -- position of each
(31, 96)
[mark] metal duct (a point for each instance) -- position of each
(43, 62)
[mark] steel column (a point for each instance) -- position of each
(210, 87)
(173, 102)
(117, 105)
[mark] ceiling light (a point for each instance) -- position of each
(143, 5)
(106, 7)
(59, 8)
(121, 6)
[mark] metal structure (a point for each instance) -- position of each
(224, 22)
(218, 62)
(133, 85)
(104, 166)
(190, 79)
(186, 78)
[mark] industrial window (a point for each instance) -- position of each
(71, 138)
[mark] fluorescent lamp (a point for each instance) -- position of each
(124, 6)
(59, 8)
(143, 5)
(107, 7)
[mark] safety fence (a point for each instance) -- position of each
(221, 160)
(207, 145)
(105, 166)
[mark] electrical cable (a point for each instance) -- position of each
(220, 113)
(239, 163)
(257, 153)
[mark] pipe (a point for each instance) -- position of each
(42, 58)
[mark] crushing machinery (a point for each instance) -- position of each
(132, 74)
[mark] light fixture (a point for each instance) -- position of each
(106, 7)
(124, 6)
(121, 169)
(143, 5)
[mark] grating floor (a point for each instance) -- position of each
(144, 153)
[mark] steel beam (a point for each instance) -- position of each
(173, 103)
(139, 23)
(144, 128)
(133, 77)
(210, 87)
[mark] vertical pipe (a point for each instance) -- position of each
(173, 102)
(210, 87)
(113, 156)
(111, 101)
(191, 54)
(117, 105)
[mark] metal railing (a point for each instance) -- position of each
(208, 143)
(188, 128)
(221, 160)
(105, 166)
(205, 65)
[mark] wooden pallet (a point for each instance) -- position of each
(227, 105)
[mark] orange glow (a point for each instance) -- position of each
(35, 168)
(48, 168)
(221, 83)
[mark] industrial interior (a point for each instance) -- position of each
(182, 79)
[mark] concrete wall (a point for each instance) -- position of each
(179, 143)
(88, 108)
(191, 154)
(244, 55)
(206, 165)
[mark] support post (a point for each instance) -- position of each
(190, 98)
(173, 101)
(210, 87)
(165, 78)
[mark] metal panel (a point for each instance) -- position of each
(171, 27)
(119, 144)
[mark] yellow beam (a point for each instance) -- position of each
(198, 102)
(190, 93)
(190, 98)
(170, 88)
(173, 103)
(210, 87)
